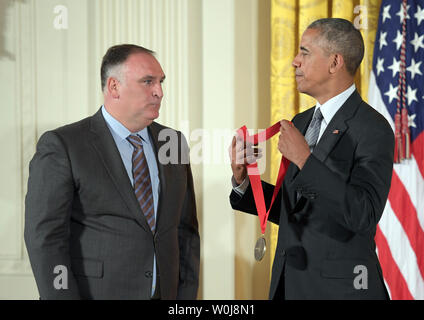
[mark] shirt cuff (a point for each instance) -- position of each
(241, 188)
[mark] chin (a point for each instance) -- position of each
(154, 115)
(154, 112)
(302, 89)
(299, 89)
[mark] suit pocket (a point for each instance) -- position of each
(87, 267)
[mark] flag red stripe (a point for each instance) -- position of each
(417, 150)
(406, 213)
(394, 278)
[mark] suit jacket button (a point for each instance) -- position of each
(148, 274)
(283, 252)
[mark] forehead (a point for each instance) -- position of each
(310, 38)
(313, 42)
(143, 64)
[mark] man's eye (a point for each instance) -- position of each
(148, 81)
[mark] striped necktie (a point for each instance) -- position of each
(142, 181)
(311, 135)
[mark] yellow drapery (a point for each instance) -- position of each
(289, 18)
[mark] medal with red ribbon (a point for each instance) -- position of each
(255, 182)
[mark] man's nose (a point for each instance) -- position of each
(296, 62)
(157, 91)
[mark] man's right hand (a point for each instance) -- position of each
(242, 153)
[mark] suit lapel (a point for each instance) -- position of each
(337, 127)
(105, 146)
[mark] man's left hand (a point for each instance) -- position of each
(292, 144)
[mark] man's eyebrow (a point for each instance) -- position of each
(150, 77)
(304, 49)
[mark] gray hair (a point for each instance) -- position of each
(340, 36)
(114, 59)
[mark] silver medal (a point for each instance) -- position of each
(260, 249)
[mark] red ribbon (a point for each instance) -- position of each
(254, 175)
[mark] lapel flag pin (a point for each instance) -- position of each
(336, 131)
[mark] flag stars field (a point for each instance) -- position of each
(419, 15)
(418, 42)
(414, 68)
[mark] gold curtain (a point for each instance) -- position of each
(289, 18)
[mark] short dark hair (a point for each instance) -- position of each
(116, 56)
(341, 37)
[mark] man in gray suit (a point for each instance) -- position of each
(106, 216)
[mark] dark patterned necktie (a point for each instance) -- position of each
(142, 181)
(312, 133)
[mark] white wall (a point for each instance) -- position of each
(50, 77)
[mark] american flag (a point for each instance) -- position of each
(400, 233)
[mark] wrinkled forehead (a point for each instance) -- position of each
(312, 38)
(143, 64)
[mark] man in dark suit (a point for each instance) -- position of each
(336, 187)
(107, 215)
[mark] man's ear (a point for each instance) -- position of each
(113, 87)
(337, 63)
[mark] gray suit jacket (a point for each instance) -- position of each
(81, 214)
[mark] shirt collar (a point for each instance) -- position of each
(329, 108)
(120, 130)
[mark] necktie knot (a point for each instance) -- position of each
(135, 141)
(317, 117)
